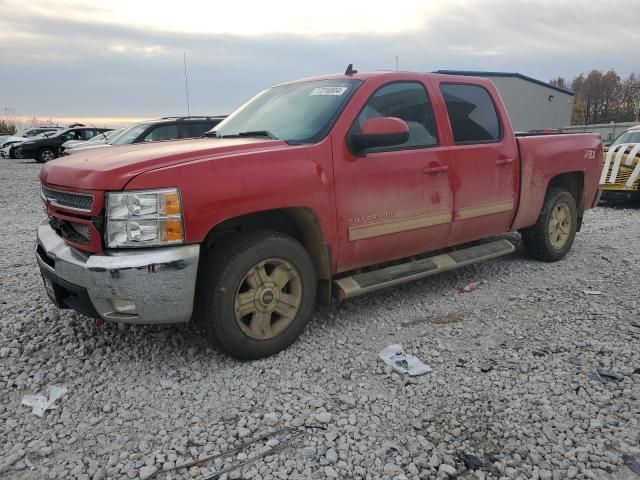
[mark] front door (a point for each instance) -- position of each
(396, 201)
(485, 158)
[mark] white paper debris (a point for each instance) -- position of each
(592, 292)
(40, 404)
(396, 358)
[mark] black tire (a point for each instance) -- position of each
(45, 155)
(12, 153)
(537, 240)
(220, 276)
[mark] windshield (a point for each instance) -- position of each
(297, 113)
(45, 135)
(56, 133)
(103, 137)
(129, 134)
(33, 132)
(630, 136)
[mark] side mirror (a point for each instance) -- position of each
(380, 132)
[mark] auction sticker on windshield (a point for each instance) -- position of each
(328, 91)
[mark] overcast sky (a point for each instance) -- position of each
(124, 58)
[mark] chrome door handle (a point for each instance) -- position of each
(436, 170)
(504, 161)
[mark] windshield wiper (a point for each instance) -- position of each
(253, 133)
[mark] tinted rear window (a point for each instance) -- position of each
(196, 129)
(472, 113)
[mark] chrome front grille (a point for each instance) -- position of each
(76, 201)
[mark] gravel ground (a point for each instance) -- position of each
(512, 385)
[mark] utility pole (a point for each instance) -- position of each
(186, 83)
(397, 57)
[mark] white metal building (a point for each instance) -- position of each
(532, 104)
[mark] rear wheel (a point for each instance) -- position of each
(45, 155)
(552, 236)
(255, 294)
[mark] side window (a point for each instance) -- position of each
(408, 101)
(73, 135)
(195, 129)
(162, 132)
(87, 133)
(472, 113)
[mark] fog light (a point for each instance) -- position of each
(123, 305)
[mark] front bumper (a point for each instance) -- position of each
(6, 151)
(159, 282)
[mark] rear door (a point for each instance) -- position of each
(396, 201)
(484, 155)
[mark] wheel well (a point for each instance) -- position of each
(298, 222)
(573, 182)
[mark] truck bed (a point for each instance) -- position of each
(545, 156)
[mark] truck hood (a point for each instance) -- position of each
(112, 168)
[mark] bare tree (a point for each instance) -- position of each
(604, 97)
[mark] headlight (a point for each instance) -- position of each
(144, 218)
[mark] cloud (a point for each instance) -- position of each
(66, 58)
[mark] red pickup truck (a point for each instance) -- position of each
(331, 186)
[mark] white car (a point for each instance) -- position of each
(8, 144)
(71, 146)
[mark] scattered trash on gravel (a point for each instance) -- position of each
(632, 463)
(592, 292)
(401, 362)
(468, 288)
(605, 376)
(40, 403)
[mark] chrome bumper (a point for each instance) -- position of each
(159, 282)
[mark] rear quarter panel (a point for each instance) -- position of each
(543, 157)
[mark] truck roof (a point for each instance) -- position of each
(392, 75)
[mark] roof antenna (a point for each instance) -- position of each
(186, 82)
(350, 70)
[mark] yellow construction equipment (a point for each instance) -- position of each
(621, 170)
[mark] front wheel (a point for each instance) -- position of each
(552, 236)
(255, 294)
(45, 155)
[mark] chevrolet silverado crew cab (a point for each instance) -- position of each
(337, 185)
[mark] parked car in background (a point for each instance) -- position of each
(620, 177)
(99, 139)
(311, 187)
(9, 144)
(166, 128)
(46, 148)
